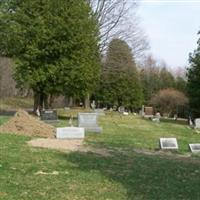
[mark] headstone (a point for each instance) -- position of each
(156, 118)
(125, 113)
(93, 105)
(195, 148)
(70, 133)
(197, 123)
(175, 117)
(49, 115)
(148, 110)
(121, 109)
(168, 143)
(89, 122)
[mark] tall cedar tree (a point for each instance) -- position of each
(120, 84)
(194, 81)
(54, 44)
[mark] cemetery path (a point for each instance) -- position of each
(79, 145)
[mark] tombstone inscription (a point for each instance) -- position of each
(168, 143)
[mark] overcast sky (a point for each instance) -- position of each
(171, 27)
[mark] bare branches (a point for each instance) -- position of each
(116, 21)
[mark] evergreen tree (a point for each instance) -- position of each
(180, 84)
(166, 79)
(120, 84)
(194, 81)
(54, 43)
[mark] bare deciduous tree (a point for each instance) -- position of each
(117, 19)
(168, 100)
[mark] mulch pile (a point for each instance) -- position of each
(24, 124)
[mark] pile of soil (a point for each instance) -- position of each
(24, 124)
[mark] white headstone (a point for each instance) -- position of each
(195, 148)
(125, 113)
(197, 123)
(70, 133)
(87, 119)
(89, 122)
(168, 143)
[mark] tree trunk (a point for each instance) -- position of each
(46, 103)
(51, 100)
(87, 101)
(36, 102)
(70, 101)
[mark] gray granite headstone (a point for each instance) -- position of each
(89, 122)
(70, 133)
(49, 115)
(195, 148)
(168, 143)
(197, 123)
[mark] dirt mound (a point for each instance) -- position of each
(24, 124)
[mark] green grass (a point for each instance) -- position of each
(125, 175)
(3, 119)
(134, 132)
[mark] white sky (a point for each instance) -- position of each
(171, 27)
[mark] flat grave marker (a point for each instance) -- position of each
(70, 133)
(168, 143)
(195, 148)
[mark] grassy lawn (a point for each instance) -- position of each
(125, 175)
(134, 132)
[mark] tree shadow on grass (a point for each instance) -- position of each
(144, 177)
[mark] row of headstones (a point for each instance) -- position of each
(86, 122)
(171, 144)
(51, 115)
(148, 112)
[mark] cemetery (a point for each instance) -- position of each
(145, 144)
(94, 108)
